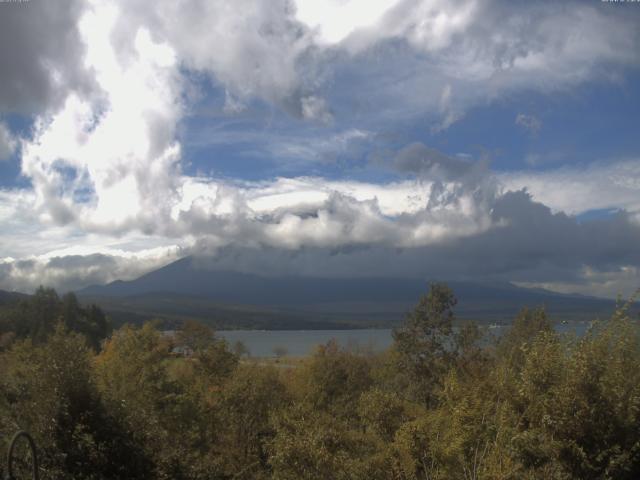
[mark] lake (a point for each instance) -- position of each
(261, 343)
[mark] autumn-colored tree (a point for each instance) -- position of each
(334, 378)
(249, 400)
(48, 390)
(313, 445)
(441, 403)
(132, 377)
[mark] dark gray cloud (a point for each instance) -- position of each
(418, 159)
(41, 54)
(529, 244)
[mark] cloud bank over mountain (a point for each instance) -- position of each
(109, 88)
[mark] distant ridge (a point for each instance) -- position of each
(184, 288)
(185, 277)
(11, 297)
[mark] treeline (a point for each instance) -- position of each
(36, 317)
(441, 403)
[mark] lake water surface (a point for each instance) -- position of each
(262, 343)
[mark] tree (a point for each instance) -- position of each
(194, 335)
(424, 345)
(526, 327)
(37, 316)
(313, 445)
(382, 412)
(594, 410)
(249, 399)
(41, 313)
(90, 321)
(211, 355)
(48, 389)
(132, 377)
(333, 379)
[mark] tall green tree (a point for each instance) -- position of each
(424, 345)
(36, 318)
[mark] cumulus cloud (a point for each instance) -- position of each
(504, 41)
(41, 52)
(109, 163)
(338, 228)
(110, 82)
(96, 158)
(252, 47)
(528, 243)
(286, 214)
(579, 189)
(112, 162)
(292, 213)
(335, 20)
(71, 272)
(445, 57)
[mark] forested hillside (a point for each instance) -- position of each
(439, 404)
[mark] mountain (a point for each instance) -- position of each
(186, 277)
(187, 289)
(9, 298)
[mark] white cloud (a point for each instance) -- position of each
(249, 46)
(337, 228)
(104, 157)
(394, 199)
(120, 150)
(501, 43)
(36, 253)
(293, 213)
(442, 58)
(623, 281)
(337, 19)
(74, 268)
(575, 190)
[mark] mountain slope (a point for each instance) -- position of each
(185, 277)
(9, 298)
(185, 289)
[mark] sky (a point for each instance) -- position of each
(485, 140)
